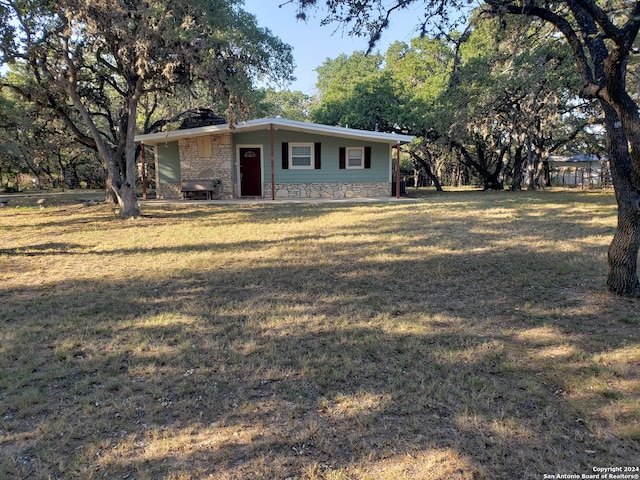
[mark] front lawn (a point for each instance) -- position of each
(466, 335)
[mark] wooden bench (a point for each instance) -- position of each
(193, 188)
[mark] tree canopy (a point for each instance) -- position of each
(36, 144)
(507, 87)
(92, 61)
(602, 37)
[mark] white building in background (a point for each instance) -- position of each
(579, 170)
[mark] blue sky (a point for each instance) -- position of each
(313, 44)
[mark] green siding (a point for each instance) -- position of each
(330, 171)
(168, 162)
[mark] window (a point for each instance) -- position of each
(355, 158)
(301, 155)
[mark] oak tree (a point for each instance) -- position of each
(602, 36)
(92, 61)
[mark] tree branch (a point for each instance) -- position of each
(600, 17)
(589, 88)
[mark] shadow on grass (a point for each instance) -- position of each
(483, 358)
(490, 235)
(45, 249)
(346, 365)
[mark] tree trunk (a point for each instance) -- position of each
(516, 183)
(490, 180)
(126, 192)
(427, 168)
(123, 190)
(622, 273)
(495, 176)
(110, 196)
(531, 170)
(541, 176)
(128, 202)
(546, 173)
(120, 174)
(435, 180)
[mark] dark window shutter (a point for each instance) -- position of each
(285, 155)
(343, 158)
(318, 164)
(367, 157)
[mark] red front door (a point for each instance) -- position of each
(250, 173)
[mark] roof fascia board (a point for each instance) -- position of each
(392, 138)
(163, 137)
(278, 123)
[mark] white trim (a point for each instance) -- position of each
(278, 123)
(238, 182)
(311, 147)
(157, 165)
(391, 163)
(346, 158)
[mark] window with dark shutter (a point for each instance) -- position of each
(318, 164)
(367, 157)
(285, 155)
(302, 156)
(355, 157)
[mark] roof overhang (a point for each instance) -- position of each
(577, 160)
(278, 124)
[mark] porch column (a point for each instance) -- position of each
(144, 173)
(398, 170)
(273, 164)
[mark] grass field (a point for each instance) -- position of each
(465, 335)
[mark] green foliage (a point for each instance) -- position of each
(353, 91)
(422, 69)
(514, 89)
(371, 104)
(35, 143)
(602, 37)
(475, 97)
(104, 56)
(337, 77)
(292, 105)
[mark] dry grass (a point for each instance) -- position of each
(463, 336)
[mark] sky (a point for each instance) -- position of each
(313, 44)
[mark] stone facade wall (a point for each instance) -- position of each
(168, 191)
(329, 190)
(208, 158)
